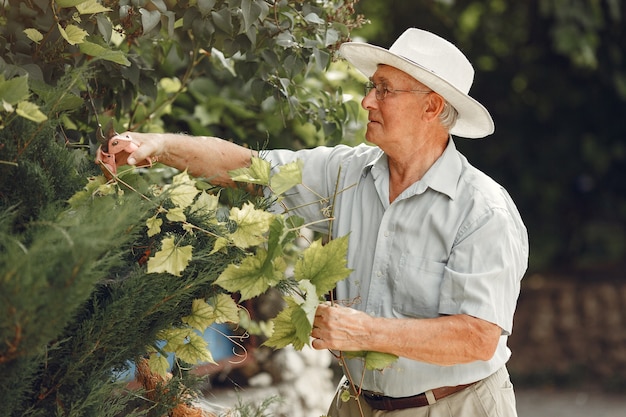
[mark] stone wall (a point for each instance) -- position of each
(570, 331)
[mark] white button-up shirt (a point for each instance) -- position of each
(451, 243)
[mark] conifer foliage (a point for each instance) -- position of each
(95, 275)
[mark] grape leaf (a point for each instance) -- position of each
(154, 224)
(182, 190)
(220, 243)
(257, 173)
(252, 225)
(288, 176)
(195, 350)
(226, 309)
(205, 204)
(30, 111)
(324, 265)
(373, 360)
(72, 34)
(203, 314)
(170, 258)
(176, 214)
(91, 7)
(249, 277)
(33, 34)
(284, 332)
(158, 364)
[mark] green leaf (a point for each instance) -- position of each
(73, 34)
(223, 20)
(91, 7)
(149, 19)
(14, 90)
(373, 360)
(257, 173)
(252, 225)
(100, 52)
(284, 333)
(170, 258)
(249, 278)
(30, 111)
(324, 265)
(288, 176)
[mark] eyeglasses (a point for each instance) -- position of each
(382, 90)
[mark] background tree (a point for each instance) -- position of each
(553, 75)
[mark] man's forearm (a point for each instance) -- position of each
(206, 157)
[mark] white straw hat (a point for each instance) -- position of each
(434, 62)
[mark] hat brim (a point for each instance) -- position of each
(474, 120)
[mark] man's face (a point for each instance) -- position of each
(395, 120)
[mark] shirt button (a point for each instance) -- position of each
(387, 233)
(379, 274)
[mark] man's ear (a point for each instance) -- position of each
(434, 106)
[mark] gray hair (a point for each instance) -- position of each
(448, 116)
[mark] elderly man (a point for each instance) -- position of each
(437, 248)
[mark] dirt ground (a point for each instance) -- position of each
(569, 403)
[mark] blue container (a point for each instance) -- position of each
(221, 347)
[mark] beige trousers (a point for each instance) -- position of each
(491, 397)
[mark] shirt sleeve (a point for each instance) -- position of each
(321, 168)
(483, 274)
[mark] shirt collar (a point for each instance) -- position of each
(443, 176)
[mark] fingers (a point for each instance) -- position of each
(139, 148)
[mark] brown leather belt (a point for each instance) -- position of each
(382, 402)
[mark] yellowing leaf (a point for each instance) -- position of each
(203, 314)
(176, 214)
(91, 7)
(220, 243)
(205, 204)
(170, 85)
(73, 34)
(154, 224)
(170, 258)
(69, 3)
(182, 190)
(324, 265)
(195, 350)
(249, 278)
(226, 309)
(30, 111)
(288, 176)
(158, 364)
(252, 225)
(33, 34)
(257, 173)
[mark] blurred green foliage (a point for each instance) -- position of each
(553, 75)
